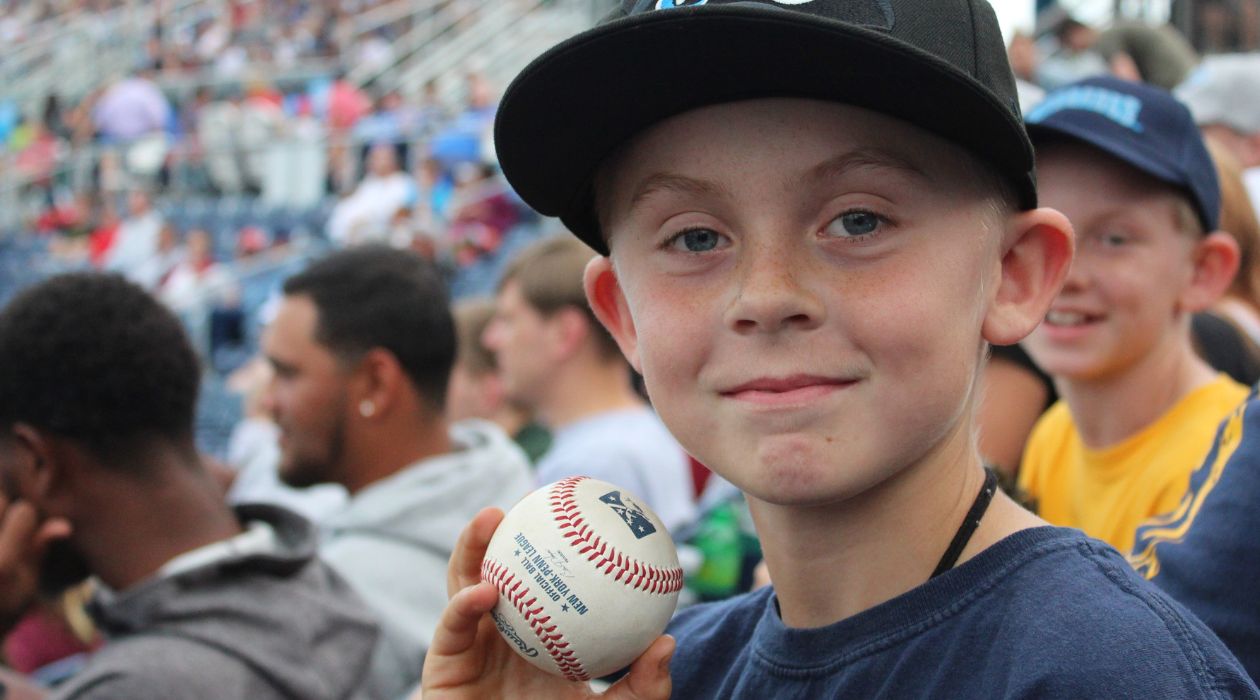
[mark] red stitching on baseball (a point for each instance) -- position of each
(514, 591)
(644, 577)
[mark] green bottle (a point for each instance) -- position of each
(720, 541)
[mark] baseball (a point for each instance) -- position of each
(587, 578)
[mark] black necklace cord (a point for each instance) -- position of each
(969, 523)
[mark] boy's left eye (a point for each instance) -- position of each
(854, 224)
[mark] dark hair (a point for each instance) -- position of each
(1067, 26)
(96, 359)
(377, 297)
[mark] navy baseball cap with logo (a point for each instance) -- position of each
(938, 64)
(1140, 125)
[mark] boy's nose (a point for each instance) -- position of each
(772, 294)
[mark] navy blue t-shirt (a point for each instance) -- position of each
(1045, 613)
(1206, 553)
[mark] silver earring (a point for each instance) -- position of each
(366, 408)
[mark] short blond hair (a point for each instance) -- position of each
(549, 275)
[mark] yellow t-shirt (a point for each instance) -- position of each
(1109, 492)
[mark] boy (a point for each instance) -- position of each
(1139, 407)
(814, 216)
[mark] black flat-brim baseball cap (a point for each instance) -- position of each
(938, 64)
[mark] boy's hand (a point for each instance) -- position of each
(23, 539)
(467, 659)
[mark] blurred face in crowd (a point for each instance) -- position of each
(306, 397)
(1129, 293)
(382, 160)
(137, 203)
(521, 338)
(473, 395)
(1246, 148)
(199, 247)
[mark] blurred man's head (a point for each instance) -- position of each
(542, 321)
(1223, 94)
(96, 372)
(355, 324)
(1075, 36)
(382, 160)
(138, 202)
(200, 246)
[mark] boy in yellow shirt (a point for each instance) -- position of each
(1139, 407)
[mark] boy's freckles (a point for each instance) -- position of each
(804, 357)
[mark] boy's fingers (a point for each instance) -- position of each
(457, 629)
(470, 549)
(648, 678)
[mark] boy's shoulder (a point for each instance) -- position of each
(1044, 612)
(1205, 553)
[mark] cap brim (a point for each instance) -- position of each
(574, 105)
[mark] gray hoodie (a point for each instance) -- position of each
(268, 623)
(394, 540)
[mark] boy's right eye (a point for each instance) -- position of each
(695, 240)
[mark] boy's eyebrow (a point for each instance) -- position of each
(862, 158)
(672, 182)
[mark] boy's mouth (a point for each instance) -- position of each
(1070, 319)
(786, 390)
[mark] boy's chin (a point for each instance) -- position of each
(800, 486)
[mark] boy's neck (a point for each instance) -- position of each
(833, 561)
(1110, 410)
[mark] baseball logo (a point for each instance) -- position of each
(587, 578)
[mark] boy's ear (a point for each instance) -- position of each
(1216, 259)
(608, 301)
(1037, 252)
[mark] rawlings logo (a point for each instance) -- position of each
(506, 628)
(631, 512)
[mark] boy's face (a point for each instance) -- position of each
(804, 285)
(1122, 303)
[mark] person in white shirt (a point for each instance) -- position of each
(365, 215)
(136, 243)
(558, 361)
